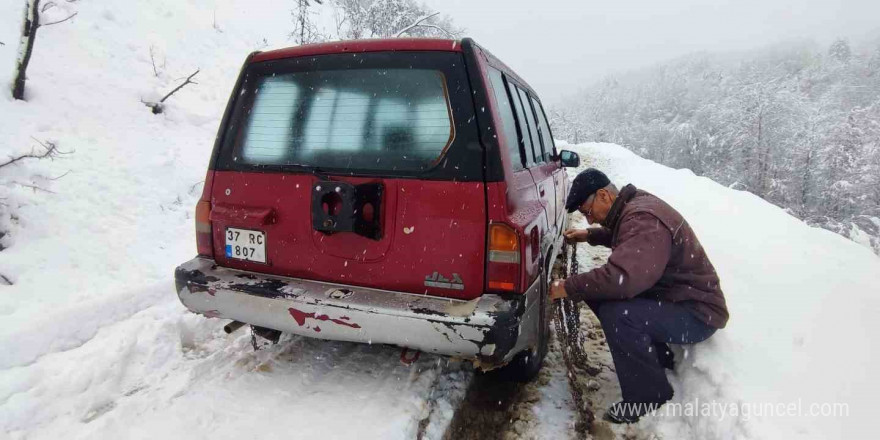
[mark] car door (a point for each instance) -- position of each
(541, 170)
(554, 166)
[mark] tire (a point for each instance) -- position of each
(526, 365)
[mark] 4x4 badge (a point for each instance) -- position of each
(437, 280)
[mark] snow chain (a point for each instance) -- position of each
(566, 314)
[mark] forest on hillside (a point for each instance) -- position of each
(316, 21)
(796, 124)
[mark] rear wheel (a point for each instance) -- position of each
(527, 364)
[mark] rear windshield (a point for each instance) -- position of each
(333, 118)
(364, 112)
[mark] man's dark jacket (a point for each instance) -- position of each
(655, 254)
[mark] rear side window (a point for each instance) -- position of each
(507, 120)
(525, 138)
(332, 118)
(544, 128)
(533, 128)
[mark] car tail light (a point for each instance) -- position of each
(204, 234)
(503, 271)
(204, 237)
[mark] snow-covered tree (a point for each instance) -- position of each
(840, 50)
(304, 29)
(794, 124)
(387, 18)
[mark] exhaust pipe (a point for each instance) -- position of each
(233, 326)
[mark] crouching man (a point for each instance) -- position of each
(658, 287)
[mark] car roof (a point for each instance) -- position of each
(355, 46)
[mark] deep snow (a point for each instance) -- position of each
(95, 343)
(803, 303)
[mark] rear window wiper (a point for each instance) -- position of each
(316, 171)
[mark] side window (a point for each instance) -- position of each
(544, 128)
(525, 139)
(507, 120)
(533, 127)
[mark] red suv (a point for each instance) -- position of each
(400, 191)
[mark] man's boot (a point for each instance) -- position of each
(664, 355)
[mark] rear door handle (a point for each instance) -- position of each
(541, 190)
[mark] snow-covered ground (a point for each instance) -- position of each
(95, 344)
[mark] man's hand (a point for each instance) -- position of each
(557, 290)
(576, 235)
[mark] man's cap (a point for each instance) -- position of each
(585, 184)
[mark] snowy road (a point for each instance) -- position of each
(166, 373)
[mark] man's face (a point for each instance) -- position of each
(586, 208)
(596, 207)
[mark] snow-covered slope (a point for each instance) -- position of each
(104, 243)
(804, 305)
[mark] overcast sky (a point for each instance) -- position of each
(560, 45)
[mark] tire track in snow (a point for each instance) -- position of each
(494, 409)
(70, 328)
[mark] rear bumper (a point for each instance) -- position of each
(489, 330)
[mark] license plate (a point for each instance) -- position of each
(246, 244)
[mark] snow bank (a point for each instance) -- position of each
(803, 302)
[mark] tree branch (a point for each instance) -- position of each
(153, 60)
(214, 22)
(415, 24)
(194, 185)
(34, 187)
(157, 106)
(188, 81)
(60, 21)
(56, 178)
(51, 152)
(438, 28)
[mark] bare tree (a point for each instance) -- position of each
(304, 29)
(28, 37)
(353, 22)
